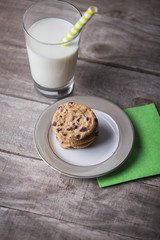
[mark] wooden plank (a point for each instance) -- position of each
(121, 44)
(155, 180)
(122, 34)
(18, 118)
(119, 40)
(122, 9)
(136, 11)
(130, 209)
(15, 224)
(123, 87)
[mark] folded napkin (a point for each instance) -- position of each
(144, 159)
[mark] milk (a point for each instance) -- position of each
(52, 64)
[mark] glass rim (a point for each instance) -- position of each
(41, 42)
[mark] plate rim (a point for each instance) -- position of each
(94, 100)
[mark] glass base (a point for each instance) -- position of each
(53, 93)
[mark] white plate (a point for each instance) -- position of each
(101, 150)
(111, 148)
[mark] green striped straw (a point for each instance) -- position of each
(80, 24)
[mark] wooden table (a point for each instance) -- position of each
(119, 60)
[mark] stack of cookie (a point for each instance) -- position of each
(75, 125)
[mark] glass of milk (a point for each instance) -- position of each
(51, 62)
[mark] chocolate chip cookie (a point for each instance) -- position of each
(75, 125)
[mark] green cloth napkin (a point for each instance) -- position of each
(144, 159)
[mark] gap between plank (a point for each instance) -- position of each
(27, 99)
(64, 221)
(39, 159)
(20, 155)
(117, 65)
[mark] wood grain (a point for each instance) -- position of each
(154, 180)
(18, 118)
(33, 226)
(121, 43)
(30, 185)
(119, 60)
(125, 88)
(119, 40)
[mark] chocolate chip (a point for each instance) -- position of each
(74, 127)
(60, 124)
(69, 129)
(95, 120)
(79, 118)
(87, 118)
(64, 134)
(54, 124)
(73, 118)
(71, 102)
(60, 116)
(83, 129)
(60, 108)
(78, 136)
(59, 129)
